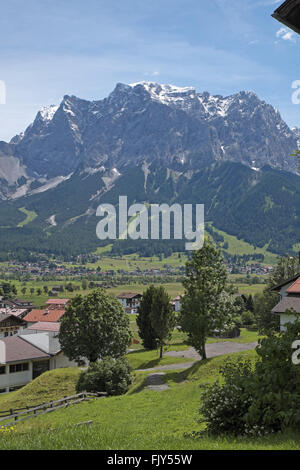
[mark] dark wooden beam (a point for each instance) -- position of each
(289, 14)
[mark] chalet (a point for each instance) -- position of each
(10, 324)
(130, 301)
(289, 306)
(25, 357)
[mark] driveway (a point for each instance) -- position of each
(212, 350)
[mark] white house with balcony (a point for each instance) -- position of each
(130, 301)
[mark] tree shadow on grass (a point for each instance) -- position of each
(177, 377)
(187, 375)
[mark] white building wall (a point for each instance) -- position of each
(60, 361)
(51, 334)
(15, 379)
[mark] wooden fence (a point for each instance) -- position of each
(22, 414)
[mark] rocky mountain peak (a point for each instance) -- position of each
(148, 121)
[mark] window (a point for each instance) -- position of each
(2, 370)
(18, 367)
(13, 389)
(2, 390)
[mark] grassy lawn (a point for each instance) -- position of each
(141, 419)
(178, 341)
(146, 359)
(50, 386)
(247, 336)
(173, 289)
(248, 289)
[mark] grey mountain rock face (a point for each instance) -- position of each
(179, 127)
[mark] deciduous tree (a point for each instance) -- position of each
(206, 305)
(94, 326)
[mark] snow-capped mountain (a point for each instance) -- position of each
(182, 129)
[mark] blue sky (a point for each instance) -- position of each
(49, 48)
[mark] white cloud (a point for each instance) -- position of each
(286, 34)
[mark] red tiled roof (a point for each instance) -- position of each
(36, 316)
(45, 326)
(17, 349)
(295, 288)
(57, 301)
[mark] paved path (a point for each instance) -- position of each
(156, 383)
(183, 365)
(212, 350)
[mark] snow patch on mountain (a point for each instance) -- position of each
(166, 94)
(47, 113)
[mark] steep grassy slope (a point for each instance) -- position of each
(50, 386)
(139, 420)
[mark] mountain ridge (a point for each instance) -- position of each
(156, 144)
(143, 121)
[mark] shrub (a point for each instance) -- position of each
(276, 384)
(261, 399)
(248, 318)
(110, 376)
(225, 405)
(238, 321)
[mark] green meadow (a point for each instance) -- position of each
(141, 419)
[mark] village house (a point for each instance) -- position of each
(18, 304)
(10, 324)
(289, 306)
(176, 303)
(24, 357)
(45, 315)
(130, 301)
